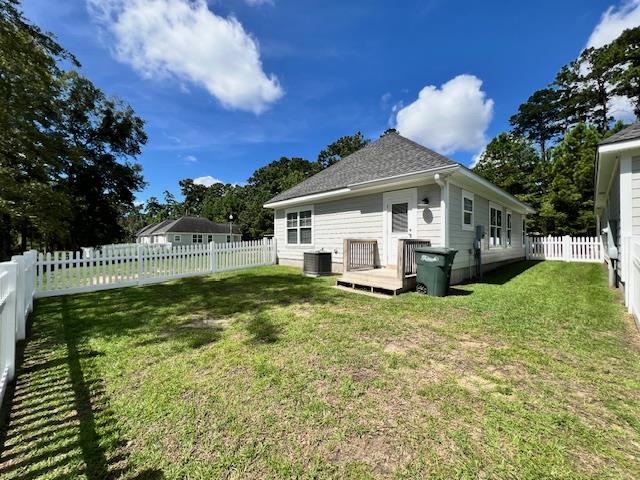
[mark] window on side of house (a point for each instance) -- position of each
(228, 238)
(495, 228)
(197, 238)
(509, 239)
(209, 238)
(300, 227)
(177, 238)
(467, 210)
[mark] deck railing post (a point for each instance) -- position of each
(346, 253)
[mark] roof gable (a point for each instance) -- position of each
(391, 155)
(188, 225)
(632, 132)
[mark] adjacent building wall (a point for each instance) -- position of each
(462, 240)
(359, 217)
(187, 238)
(635, 195)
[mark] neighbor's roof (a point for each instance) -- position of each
(188, 225)
(630, 133)
(390, 155)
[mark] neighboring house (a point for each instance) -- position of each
(617, 201)
(391, 190)
(188, 231)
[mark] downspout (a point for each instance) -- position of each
(441, 180)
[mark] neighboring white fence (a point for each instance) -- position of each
(63, 273)
(17, 289)
(567, 249)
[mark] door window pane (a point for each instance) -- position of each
(399, 217)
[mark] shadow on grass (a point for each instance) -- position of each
(58, 422)
(262, 329)
(506, 273)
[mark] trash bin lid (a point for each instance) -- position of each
(436, 250)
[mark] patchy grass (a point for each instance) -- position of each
(534, 373)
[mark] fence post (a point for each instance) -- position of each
(213, 257)
(8, 326)
(566, 248)
(21, 291)
(139, 264)
(274, 251)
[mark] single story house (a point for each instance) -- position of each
(391, 194)
(617, 206)
(189, 231)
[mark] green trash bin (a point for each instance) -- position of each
(434, 270)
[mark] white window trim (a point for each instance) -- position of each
(508, 229)
(471, 197)
(313, 226)
(496, 206)
(177, 238)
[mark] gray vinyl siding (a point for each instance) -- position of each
(357, 217)
(635, 195)
(462, 240)
(430, 217)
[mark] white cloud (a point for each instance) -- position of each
(184, 40)
(256, 3)
(207, 180)
(190, 159)
(613, 22)
(476, 158)
(451, 118)
(621, 108)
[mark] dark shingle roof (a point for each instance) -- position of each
(390, 155)
(188, 225)
(630, 133)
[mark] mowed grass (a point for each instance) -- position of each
(532, 373)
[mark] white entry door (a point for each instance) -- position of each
(400, 220)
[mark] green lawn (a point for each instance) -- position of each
(533, 373)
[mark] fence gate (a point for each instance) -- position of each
(566, 248)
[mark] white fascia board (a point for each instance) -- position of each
(307, 198)
(362, 187)
(402, 178)
(620, 146)
(507, 198)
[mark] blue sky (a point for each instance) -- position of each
(229, 86)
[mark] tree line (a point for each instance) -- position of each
(67, 150)
(547, 159)
(244, 202)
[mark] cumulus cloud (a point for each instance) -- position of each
(207, 180)
(451, 118)
(186, 41)
(613, 22)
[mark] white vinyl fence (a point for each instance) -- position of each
(17, 289)
(62, 273)
(567, 249)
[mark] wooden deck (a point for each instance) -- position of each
(382, 280)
